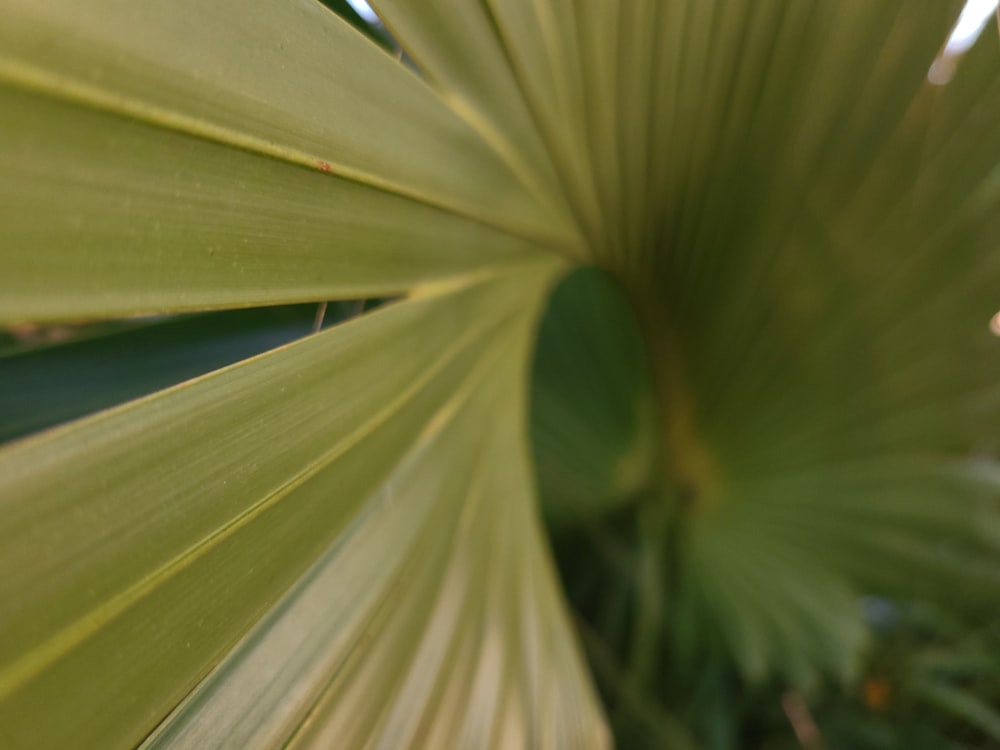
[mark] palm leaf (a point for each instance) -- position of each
(458, 637)
(336, 541)
(145, 555)
(52, 383)
(207, 178)
(457, 48)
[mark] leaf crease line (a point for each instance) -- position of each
(43, 83)
(65, 640)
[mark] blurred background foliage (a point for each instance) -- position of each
(928, 676)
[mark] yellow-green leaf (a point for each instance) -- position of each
(291, 80)
(439, 599)
(160, 551)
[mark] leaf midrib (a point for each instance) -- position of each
(36, 80)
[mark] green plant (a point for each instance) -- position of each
(337, 542)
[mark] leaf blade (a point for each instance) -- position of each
(198, 522)
(457, 47)
(462, 603)
(275, 81)
(92, 233)
(43, 386)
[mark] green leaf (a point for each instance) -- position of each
(147, 220)
(541, 41)
(458, 48)
(439, 599)
(155, 164)
(816, 294)
(807, 230)
(593, 440)
(962, 704)
(346, 11)
(161, 551)
(274, 79)
(42, 386)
